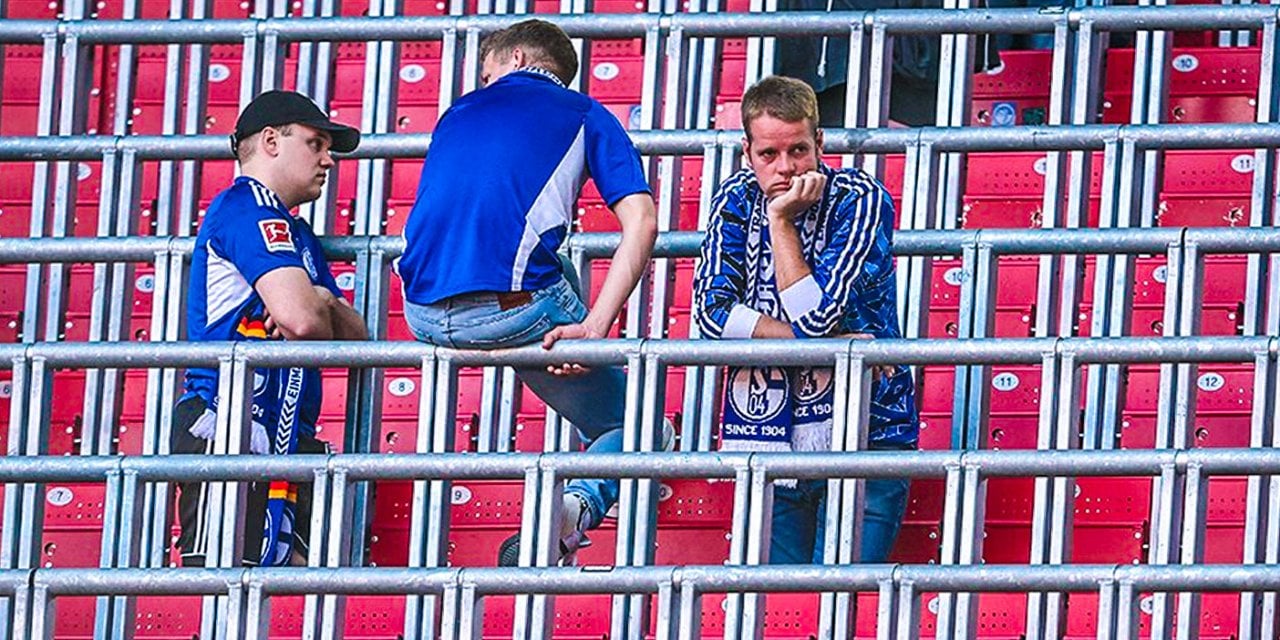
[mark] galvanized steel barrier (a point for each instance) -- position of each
(1178, 507)
(680, 50)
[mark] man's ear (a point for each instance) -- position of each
(269, 141)
(817, 141)
(746, 146)
(518, 56)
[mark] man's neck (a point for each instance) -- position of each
(261, 177)
(533, 68)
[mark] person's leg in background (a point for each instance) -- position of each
(593, 401)
(796, 528)
(884, 503)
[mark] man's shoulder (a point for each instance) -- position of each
(243, 200)
(742, 184)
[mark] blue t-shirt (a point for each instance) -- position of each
(247, 233)
(500, 183)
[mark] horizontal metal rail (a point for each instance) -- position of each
(706, 578)
(140, 355)
(425, 28)
(687, 244)
(648, 465)
(694, 142)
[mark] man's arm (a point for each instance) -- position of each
(347, 324)
(815, 299)
(639, 231)
(296, 308)
(719, 284)
(789, 266)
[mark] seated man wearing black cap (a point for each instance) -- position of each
(258, 273)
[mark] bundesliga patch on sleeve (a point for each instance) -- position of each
(276, 234)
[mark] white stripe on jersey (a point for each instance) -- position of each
(227, 288)
(264, 196)
(257, 195)
(553, 207)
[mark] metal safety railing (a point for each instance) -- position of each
(457, 595)
(1178, 504)
(680, 52)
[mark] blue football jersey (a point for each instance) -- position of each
(500, 184)
(247, 233)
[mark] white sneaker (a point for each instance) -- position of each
(574, 519)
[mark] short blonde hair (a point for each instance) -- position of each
(784, 98)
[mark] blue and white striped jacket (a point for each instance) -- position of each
(846, 240)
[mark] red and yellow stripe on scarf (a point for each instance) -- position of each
(282, 490)
(251, 328)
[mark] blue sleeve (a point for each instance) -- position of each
(257, 240)
(720, 278)
(612, 160)
(856, 236)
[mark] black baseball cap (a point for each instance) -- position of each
(277, 108)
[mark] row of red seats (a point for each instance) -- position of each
(1206, 84)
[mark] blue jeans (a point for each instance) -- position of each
(800, 519)
(594, 402)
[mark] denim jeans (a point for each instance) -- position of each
(800, 518)
(593, 402)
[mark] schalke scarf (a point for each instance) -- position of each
(282, 496)
(775, 408)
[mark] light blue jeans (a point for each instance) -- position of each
(594, 402)
(800, 519)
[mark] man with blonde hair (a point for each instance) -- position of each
(798, 250)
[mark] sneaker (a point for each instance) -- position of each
(573, 524)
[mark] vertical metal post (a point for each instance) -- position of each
(971, 535)
(955, 73)
(225, 513)
(690, 611)
(656, 75)
(429, 518)
(34, 443)
(845, 497)
(1064, 488)
(878, 74)
(1194, 512)
(738, 532)
(670, 169)
(1262, 205)
(953, 508)
(919, 194)
(908, 611)
(1041, 521)
(856, 81)
(337, 553)
(162, 384)
(322, 538)
(14, 494)
(364, 416)
(1064, 52)
(42, 187)
(1257, 501)
(629, 498)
